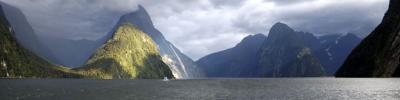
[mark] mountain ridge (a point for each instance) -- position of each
(298, 51)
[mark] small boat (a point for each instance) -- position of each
(166, 79)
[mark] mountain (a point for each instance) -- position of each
(239, 61)
(378, 55)
(130, 53)
(181, 65)
(286, 54)
(16, 61)
(24, 33)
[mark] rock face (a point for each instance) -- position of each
(24, 33)
(378, 55)
(16, 61)
(130, 53)
(239, 61)
(181, 65)
(286, 54)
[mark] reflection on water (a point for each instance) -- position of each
(241, 89)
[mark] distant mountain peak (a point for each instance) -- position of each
(141, 19)
(141, 8)
(280, 31)
(141, 14)
(255, 36)
(254, 39)
(280, 26)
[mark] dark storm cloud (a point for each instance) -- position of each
(72, 19)
(200, 27)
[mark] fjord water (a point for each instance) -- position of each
(235, 88)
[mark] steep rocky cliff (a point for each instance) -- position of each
(378, 55)
(286, 53)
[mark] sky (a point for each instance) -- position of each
(201, 27)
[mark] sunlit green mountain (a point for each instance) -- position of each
(181, 65)
(130, 53)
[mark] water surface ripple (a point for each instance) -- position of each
(214, 89)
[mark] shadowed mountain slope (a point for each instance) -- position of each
(378, 55)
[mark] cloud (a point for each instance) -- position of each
(193, 26)
(89, 19)
(316, 16)
(288, 2)
(201, 27)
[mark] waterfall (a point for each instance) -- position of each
(180, 61)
